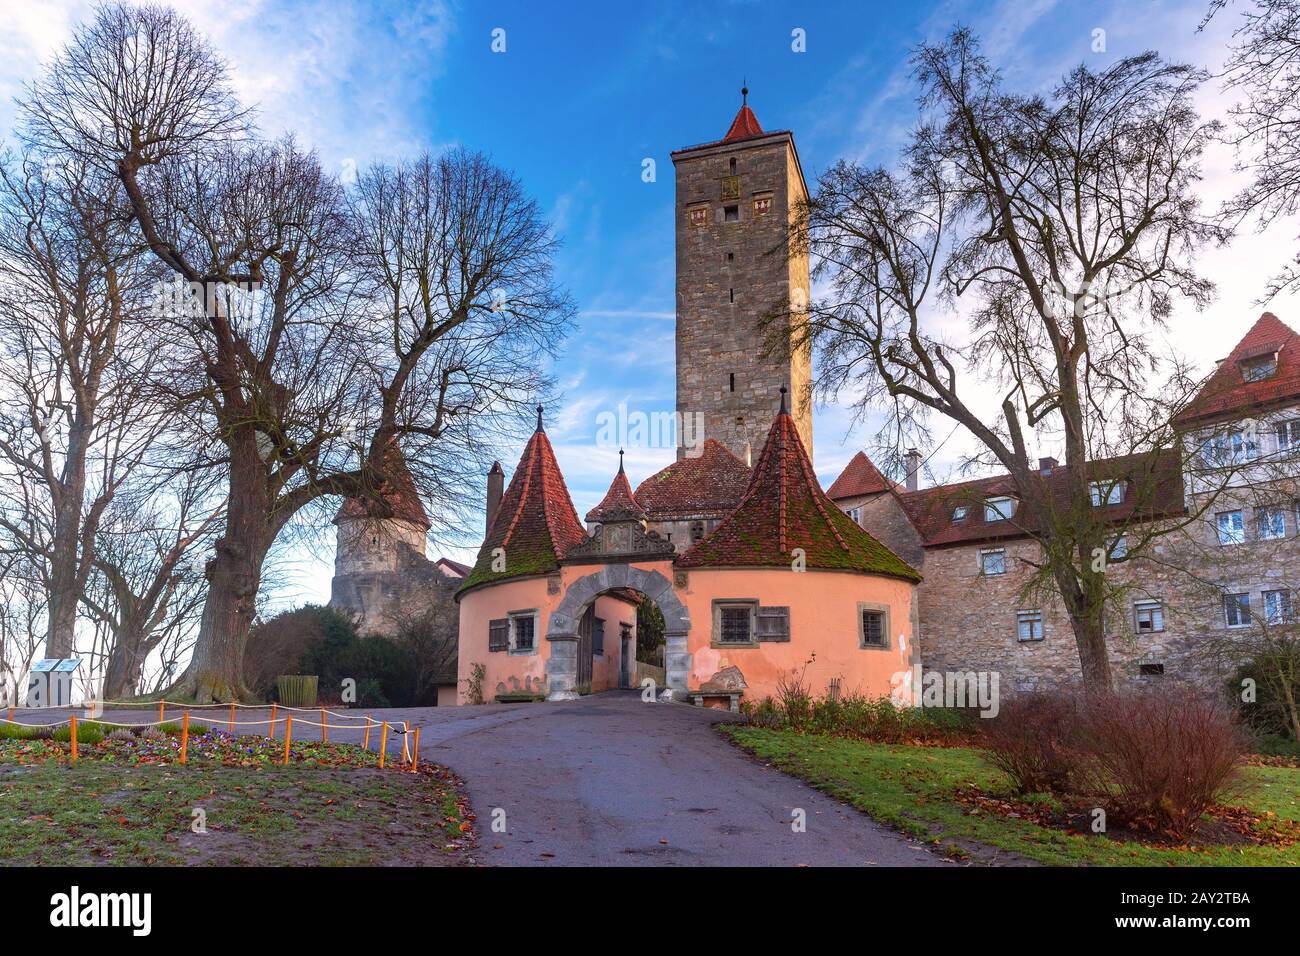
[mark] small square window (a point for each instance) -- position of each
(1106, 492)
(960, 512)
(731, 214)
(1232, 527)
(993, 561)
(999, 509)
(1277, 607)
(1029, 626)
(855, 514)
(873, 626)
(1270, 523)
(735, 623)
(1148, 616)
(1236, 609)
(523, 632)
(1151, 670)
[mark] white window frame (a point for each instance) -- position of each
(1032, 617)
(1288, 435)
(1238, 533)
(988, 553)
(960, 513)
(1271, 511)
(1114, 492)
(994, 513)
(1154, 609)
(1240, 607)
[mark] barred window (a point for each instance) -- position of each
(873, 628)
(524, 627)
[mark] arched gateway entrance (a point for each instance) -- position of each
(562, 629)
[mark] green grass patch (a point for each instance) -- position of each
(912, 788)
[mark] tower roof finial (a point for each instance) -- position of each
(784, 410)
(539, 419)
(620, 459)
(744, 92)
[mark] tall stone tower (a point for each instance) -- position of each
(735, 199)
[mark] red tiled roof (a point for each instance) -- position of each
(1153, 488)
(744, 126)
(710, 484)
(859, 477)
(535, 524)
(619, 500)
(785, 508)
(1227, 392)
(396, 490)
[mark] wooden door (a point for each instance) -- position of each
(585, 628)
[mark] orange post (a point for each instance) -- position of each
(365, 743)
(324, 727)
(185, 735)
(406, 735)
(273, 721)
(232, 716)
(288, 732)
(415, 752)
(161, 714)
(383, 743)
(74, 738)
(11, 711)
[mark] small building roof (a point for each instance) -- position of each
(619, 501)
(859, 477)
(711, 483)
(535, 524)
(785, 508)
(396, 490)
(1227, 392)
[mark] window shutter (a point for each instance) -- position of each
(499, 635)
(774, 624)
(598, 636)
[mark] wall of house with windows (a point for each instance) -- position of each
(838, 631)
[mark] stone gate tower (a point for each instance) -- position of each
(735, 199)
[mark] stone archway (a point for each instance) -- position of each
(562, 628)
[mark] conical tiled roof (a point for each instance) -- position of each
(785, 508)
(619, 502)
(535, 524)
(1228, 393)
(712, 482)
(859, 477)
(396, 490)
(744, 126)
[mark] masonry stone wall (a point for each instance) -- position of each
(728, 275)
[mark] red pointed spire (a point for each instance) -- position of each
(396, 490)
(785, 508)
(619, 501)
(745, 125)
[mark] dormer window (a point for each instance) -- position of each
(1106, 492)
(1259, 368)
(960, 512)
(999, 509)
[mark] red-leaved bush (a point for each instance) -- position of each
(1158, 758)
(1032, 740)
(1154, 758)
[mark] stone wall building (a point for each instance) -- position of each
(1222, 515)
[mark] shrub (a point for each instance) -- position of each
(1034, 740)
(121, 733)
(88, 732)
(1159, 758)
(19, 732)
(174, 727)
(852, 715)
(795, 700)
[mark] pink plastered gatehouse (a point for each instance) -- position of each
(784, 585)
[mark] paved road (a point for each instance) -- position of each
(611, 780)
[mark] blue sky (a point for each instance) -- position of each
(584, 94)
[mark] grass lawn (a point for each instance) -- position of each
(331, 806)
(912, 788)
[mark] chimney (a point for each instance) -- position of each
(1046, 466)
(913, 468)
(496, 484)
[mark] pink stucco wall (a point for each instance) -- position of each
(823, 627)
(527, 672)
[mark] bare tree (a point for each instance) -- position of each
(75, 415)
(1063, 227)
(1264, 67)
(302, 387)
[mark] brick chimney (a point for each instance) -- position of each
(495, 486)
(1047, 465)
(913, 468)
